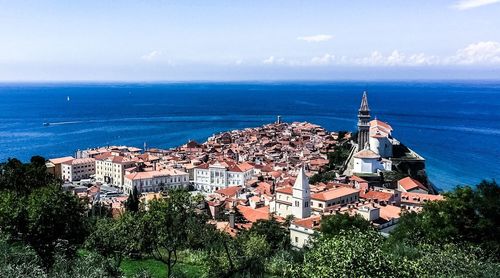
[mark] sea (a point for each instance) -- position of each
(454, 125)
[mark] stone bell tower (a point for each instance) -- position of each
(363, 123)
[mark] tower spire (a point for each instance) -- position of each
(364, 103)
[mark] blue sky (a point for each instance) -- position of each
(248, 40)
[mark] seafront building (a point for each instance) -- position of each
(111, 169)
(78, 169)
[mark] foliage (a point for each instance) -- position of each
(284, 263)
(449, 260)
(276, 236)
(47, 219)
(54, 219)
(116, 238)
(236, 257)
(172, 224)
(351, 253)
(24, 178)
(90, 265)
(332, 225)
(336, 160)
(322, 177)
(466, 215)
(133, 201)
(19, 260)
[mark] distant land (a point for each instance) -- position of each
(455, 125)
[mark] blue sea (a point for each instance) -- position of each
(454, 125)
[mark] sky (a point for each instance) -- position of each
(160, 40)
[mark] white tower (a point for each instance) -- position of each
(301, 196)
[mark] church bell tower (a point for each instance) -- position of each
(363, 123)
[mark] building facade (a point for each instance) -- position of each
(78, 169)
(219, 175)
(155, 181)
(301, 196)
(111, 169)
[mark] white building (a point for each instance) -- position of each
(302, 230)
(301, 196)
(294, 200)
(212, 177)
(367, 161)
(381, 140)
(111, 169)
(77, 169)
(155, 181)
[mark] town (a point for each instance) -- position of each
(296, 173)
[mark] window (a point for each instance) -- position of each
(297, 203)
(296, 239)
(306, 204)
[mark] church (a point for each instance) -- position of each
(375, 142)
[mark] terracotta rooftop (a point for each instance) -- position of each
(419, 198)
(366, 154)
(333, 193)
(253, 215)
(309, 223)
(409, 184)
(378, 195)
(229, 191)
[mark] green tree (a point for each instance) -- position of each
(116, 238)
(133, 201)
(172, 224)
(277, 236)
(54, 218)
(466, 215)
(24, 178)
(13, 219)
(351, 253)
(332, 225)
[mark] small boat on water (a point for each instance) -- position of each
(46, 124)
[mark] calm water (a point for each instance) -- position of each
(455, 126)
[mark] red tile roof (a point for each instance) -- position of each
(333, 193)
(229, 191)
(378, 195)
(409, 184)
(309, 222)
(263, 188)
(419, 198)
(285, 190)
(253, 215)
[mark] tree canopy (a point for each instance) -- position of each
(466, 215)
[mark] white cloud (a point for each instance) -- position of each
(151, 55)
(323, 60)
(477, 53)
(316, 38)
(397, 58)
(273, 61)
(480, 53)
(470, 4)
